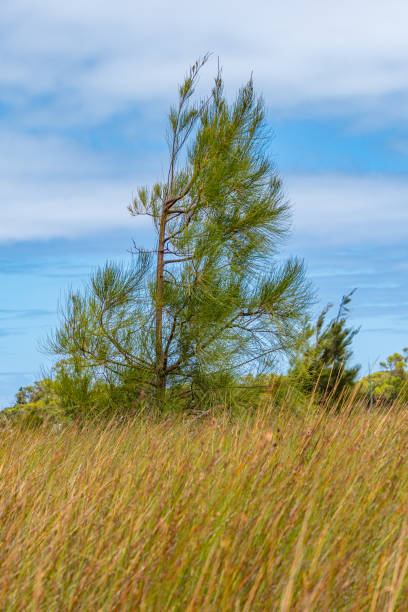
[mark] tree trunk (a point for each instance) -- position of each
(160, 374)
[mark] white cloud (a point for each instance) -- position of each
(62, 210)
(78, 62)
(342, 210)
(98, 56)
(51, 188)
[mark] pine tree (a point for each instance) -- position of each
(210, 301)
(321, 363)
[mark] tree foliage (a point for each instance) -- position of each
(391, 383)
(210, 301)
(321, 363)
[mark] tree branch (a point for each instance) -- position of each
(181, 259)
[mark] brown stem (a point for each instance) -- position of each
(160, 373)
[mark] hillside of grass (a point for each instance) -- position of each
(269, 512)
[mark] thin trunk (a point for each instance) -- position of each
(160, 369)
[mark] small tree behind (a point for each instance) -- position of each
(321, 363)
(210, 300)
(391, 383)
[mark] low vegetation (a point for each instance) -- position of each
(267, 511)
(390, 384)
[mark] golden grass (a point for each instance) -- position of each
(275, 512)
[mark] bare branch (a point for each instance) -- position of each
(181, 259)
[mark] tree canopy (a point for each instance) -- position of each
(321, 363)
(212, 299)
(391, 383)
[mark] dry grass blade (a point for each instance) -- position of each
(279, 511)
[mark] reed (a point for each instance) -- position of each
(274, 511)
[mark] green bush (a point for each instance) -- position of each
(391, 383)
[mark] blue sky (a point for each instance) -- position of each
(84, 90)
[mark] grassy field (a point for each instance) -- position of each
(276, 512)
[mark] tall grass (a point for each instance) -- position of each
(272, 512)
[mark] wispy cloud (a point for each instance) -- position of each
(53, 188)
(50, 186)
(3, 374)
(348, 210)
(62, 209)
(88, 59)
(11, 331)
(68, 66)
(29, 313)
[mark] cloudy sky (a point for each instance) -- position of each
(84, 89)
